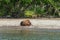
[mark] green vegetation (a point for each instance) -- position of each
(29, 13)
(29, 8)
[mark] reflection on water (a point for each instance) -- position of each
(36, 34)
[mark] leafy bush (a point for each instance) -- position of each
(29, 13)
(30, 7)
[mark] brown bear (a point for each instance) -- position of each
(25, 23)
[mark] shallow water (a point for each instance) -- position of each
(36, 34)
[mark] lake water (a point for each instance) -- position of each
(36, 34)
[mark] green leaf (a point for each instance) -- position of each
(7, 1)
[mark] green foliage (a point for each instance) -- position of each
(29, 13)
(7, 1)
(27, 1)
(40, 10)
(29, 7)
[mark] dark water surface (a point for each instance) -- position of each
(36, 34)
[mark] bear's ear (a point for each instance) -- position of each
(21, 23)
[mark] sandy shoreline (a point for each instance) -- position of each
(37, 23)
(33, 21)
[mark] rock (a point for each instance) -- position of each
(25, 23)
